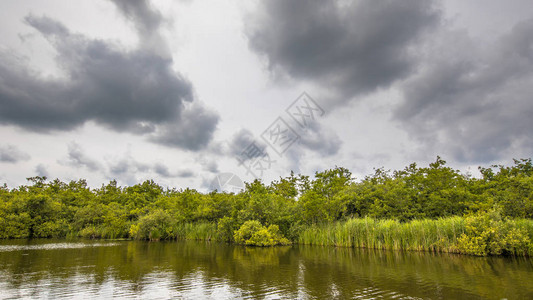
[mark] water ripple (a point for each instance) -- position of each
(190, 270)
(53, 246)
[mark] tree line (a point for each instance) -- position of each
(262, 213)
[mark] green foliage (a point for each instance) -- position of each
(489, 234)
(428, 235)
(197, 231)
(416, 208)
(225, 229)
(246, 231)
(52, 229)
(154, 226)
(15, 226)
(252, 233)
(480, 234)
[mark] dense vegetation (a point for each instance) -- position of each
(425, 208)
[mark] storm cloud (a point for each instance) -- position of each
(160, 89)
(126, 90)
(41, 170)
(461, 96)
(78, 158)
(353, 47)
(321, 140)
(192, 131)
(12, 154)
(127, 165)
(473, 101)
(147, 22)
(241, 141)
(164, 171)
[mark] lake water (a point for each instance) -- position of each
(160, 270)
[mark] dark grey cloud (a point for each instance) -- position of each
(352, 47)
(79, 159)
(186, 174)
(12, 154)
(321, 140)
(314, 137)
(212, 167)
(123, 90)
(208, 159)
(41, 170)
(133, 91)
(193, 131)
(127, 169)
(209, 166)
(140, 12)
(163, 170)
(240, 141)
(147, 21)
(462, 97)
(474, 100)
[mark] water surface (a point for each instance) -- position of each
(160, 270)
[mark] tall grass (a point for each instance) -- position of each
(196, 231)
(424, 235)
(452, 234)
(482, 234)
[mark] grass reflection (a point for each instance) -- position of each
(312, 271)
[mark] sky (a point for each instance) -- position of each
(191, 92)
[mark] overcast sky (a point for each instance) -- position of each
(180, 91)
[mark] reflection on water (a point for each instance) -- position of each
(53, 246)
(48, 269)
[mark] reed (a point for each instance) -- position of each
(451, 235)
(196, 231)
(422, 235)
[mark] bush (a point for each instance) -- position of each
(252, 233)
(53, 229)
(517, 242)
(90, 232)
(246, 231)
(15, 226)
(154, 226)
(225, 229)
(488, 234)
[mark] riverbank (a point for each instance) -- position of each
(434, 208)
(189, 269)
(481, 235)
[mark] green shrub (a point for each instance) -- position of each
(252, 233)
(517, 242)
(90, 232)
(154, 226)
(294, 231)
(488, 234)
(225, 229)
(246, 231)
(53, 229)
(15, 226)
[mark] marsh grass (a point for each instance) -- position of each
(422, 235)
(196, 231)
(440, 235)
